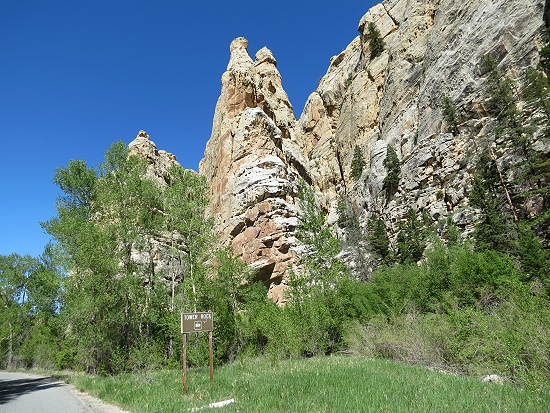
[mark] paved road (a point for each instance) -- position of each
(27, 393)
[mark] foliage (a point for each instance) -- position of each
(342, 209)
(393, 167)
(357, 163)
(311, 322)
(378, 237)
(536, 170)
(321, 262)
(455, 303)
(534, 258)
(376, 43)
(118, 313)
(30, 298)
(494, 230)
(451, 114)
(412, 237)
(502, 104)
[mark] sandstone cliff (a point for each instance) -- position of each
(433, 49)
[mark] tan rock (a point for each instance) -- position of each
(252, 184)
(158, 162)
(432, 49)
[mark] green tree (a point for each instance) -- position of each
(109, 302)
(393, 167)
(376, 43)
(313, 302)
(502, 104)
(378, 237)
(411, 238)
(357, 163)
(494, 231)
(30, 298)
(451, 114)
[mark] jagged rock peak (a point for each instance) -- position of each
(158, 161)
(264, 55)
(432, 49)
(239, 53)
(246, 163)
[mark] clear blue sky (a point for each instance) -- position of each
(77, 75)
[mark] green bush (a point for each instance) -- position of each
(376, 43)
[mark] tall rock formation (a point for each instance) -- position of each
(433, 49)
(158, 161)
(246, 161)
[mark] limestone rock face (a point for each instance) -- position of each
(252, 184)
(433, 49)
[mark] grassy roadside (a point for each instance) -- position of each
(324, 384)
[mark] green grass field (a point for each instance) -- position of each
(324, 384)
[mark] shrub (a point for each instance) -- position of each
(376, 43)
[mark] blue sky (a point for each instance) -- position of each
(77, 75)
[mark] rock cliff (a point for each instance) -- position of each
(433, 49)
(252, 182)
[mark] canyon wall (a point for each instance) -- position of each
(433, 49)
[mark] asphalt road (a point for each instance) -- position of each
(26, 393)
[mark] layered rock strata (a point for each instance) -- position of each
(252, 185)
(433, 49)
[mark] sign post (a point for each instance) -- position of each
(195, 323)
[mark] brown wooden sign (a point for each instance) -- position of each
(196, 322)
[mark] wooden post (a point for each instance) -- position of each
(184, 361)
(211, 351)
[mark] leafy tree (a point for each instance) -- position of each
(393, 167)
(312, 217)
(322, 246)
(29, 302)
(376, 43)
(312, 301)
(357, 163)
(109, 298)
(77, 180)
(184, 202)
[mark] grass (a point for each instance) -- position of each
(324, 384)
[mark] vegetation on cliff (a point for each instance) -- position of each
(130, 256)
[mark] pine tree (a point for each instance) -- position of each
(377, 236)
(376, 43)
(393, 167)
(412, 238)
(451, 114)
(495, 230)
(357, 163)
